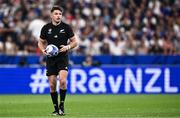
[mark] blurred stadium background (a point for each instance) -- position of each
(127, 63)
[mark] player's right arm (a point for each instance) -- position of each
(42, 45)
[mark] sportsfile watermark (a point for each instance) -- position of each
(112, 81)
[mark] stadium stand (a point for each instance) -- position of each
(111, 28)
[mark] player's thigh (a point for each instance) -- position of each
(63, 75)
(63, 69)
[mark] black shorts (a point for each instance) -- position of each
(55, 64)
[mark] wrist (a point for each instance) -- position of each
(68, 47)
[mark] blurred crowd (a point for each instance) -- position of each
(103, 27)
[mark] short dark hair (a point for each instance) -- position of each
(56, 8)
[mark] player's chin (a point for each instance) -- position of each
(58, 20)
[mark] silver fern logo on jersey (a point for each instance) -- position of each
(62, 31)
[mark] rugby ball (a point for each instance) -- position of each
(52, 50)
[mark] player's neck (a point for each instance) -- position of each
(56, 23)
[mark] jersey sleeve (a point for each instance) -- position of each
(43, 33)
(70, 32)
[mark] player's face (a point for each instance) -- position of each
(56, 16)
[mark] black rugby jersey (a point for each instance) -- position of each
(57, 35)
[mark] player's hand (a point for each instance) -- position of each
(45, 53)
(64, 48)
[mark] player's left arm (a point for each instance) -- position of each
(72, 44)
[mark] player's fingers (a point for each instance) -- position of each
(61, 50)
(44, 51)
(61, 46)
